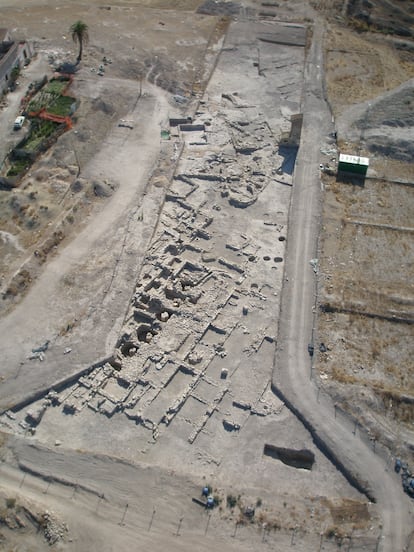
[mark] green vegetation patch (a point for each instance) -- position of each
(42, 100)
(18, 166)
(41, 130)
(51, 99)
(56, 86)
(62, 106)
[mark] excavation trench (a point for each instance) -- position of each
(57, 386)
(353, 480)
(296, 458)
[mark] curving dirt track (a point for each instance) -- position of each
(293, 367)
(73, 464)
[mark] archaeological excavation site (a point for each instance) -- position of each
(206, 260)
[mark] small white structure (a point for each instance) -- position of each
(353, 164)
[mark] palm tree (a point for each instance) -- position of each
(79, 31)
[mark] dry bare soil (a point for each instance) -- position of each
(141, 279)
(366, 251)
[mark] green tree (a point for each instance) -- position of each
(79, 32)
(15, 73)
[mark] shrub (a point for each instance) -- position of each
(231, 501)
(56, 86)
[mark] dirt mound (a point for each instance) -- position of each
(100, 105)
(103, 189)
(402, 150)
(212, 7)
(393, 18)
(395, 110)
(385, 123)
(384, 126)
(20, 517)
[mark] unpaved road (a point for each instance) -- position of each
(87, 285)
(293, 365)
(104, 503)
(101, 287)
(108, 504)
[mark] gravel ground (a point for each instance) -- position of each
(113, 181)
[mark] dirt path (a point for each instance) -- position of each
(80, 301)
(99, 263)
(293, 364)
(78, 306)
(11, 137)
(108, 504)
(105, 502)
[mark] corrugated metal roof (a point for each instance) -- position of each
(353, 159)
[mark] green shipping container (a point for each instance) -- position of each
(353, 164)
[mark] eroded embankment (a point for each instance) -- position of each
(56, 387)
(354, 480)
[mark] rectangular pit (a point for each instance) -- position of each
(301, 459)
(175, 388)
